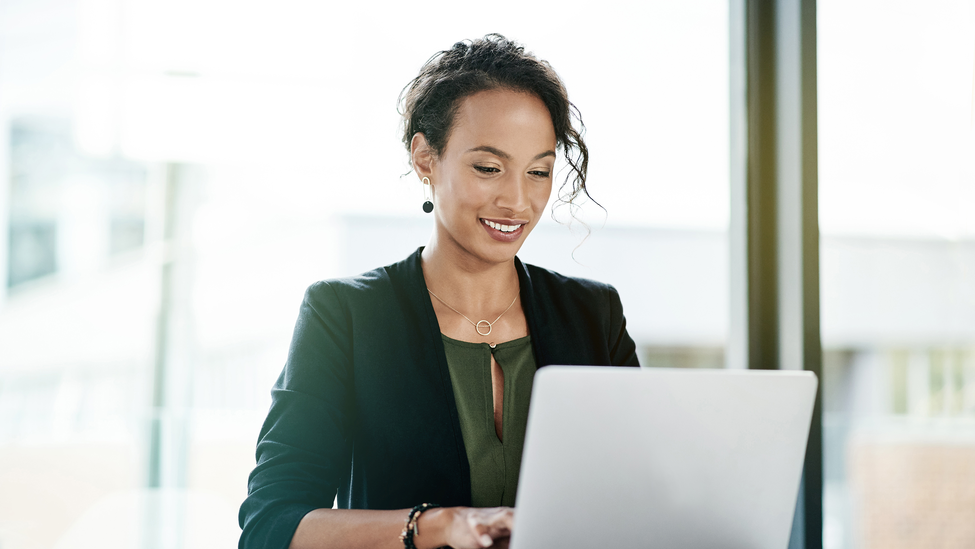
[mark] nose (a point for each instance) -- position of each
(513, 194)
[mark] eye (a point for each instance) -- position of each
(486, 169)
(540, 173)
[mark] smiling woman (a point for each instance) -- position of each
(400, 396)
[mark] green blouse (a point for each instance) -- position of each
(494, 464)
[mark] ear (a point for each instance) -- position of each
(422, 156)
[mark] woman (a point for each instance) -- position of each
(409, 384)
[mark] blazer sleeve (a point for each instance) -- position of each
(304, 448)
(622, 349)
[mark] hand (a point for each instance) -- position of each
(477, 528)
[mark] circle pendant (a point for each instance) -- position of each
(478, 327)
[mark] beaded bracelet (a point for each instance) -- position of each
(411, 529)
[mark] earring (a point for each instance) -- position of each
(427, 195)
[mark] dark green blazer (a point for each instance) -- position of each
(364, 406)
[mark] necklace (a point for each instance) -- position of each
(477, 325)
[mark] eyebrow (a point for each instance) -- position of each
(506, 156)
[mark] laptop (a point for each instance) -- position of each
(646, 457)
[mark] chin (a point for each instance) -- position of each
(497, 252)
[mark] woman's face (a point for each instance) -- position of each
(494, 178)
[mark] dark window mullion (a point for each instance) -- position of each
(774, 212)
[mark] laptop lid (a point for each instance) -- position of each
(641, 457)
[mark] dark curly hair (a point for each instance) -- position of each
(430, 101)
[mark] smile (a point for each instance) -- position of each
(502, 232)
(500, 227)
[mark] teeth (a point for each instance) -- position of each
(500, 227)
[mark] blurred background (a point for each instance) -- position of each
(174, 174)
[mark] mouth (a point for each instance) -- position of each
(503, 232)
(500, 227)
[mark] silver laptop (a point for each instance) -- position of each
(636, 457)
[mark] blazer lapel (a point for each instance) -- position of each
(537, 327)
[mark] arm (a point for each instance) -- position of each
(303, 451)
(458, 527)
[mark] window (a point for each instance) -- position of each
(183, 170)
(898, 249)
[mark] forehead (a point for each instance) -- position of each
(515, 122)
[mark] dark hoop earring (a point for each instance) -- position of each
(427, 195)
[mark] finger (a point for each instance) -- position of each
(508, 518)
(494, 514)
(495, 522)
(480, 530)
(499, 532)
(503, 519)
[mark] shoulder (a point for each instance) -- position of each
(550, 283)
(580, 320)
(373, 286)
(350, 286)
(559, 296)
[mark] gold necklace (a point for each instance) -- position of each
(477, 325)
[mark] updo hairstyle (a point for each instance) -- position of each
(430, 101)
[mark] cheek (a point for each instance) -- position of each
(459, 197)
(540, 195)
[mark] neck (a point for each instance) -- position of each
(468, 283)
